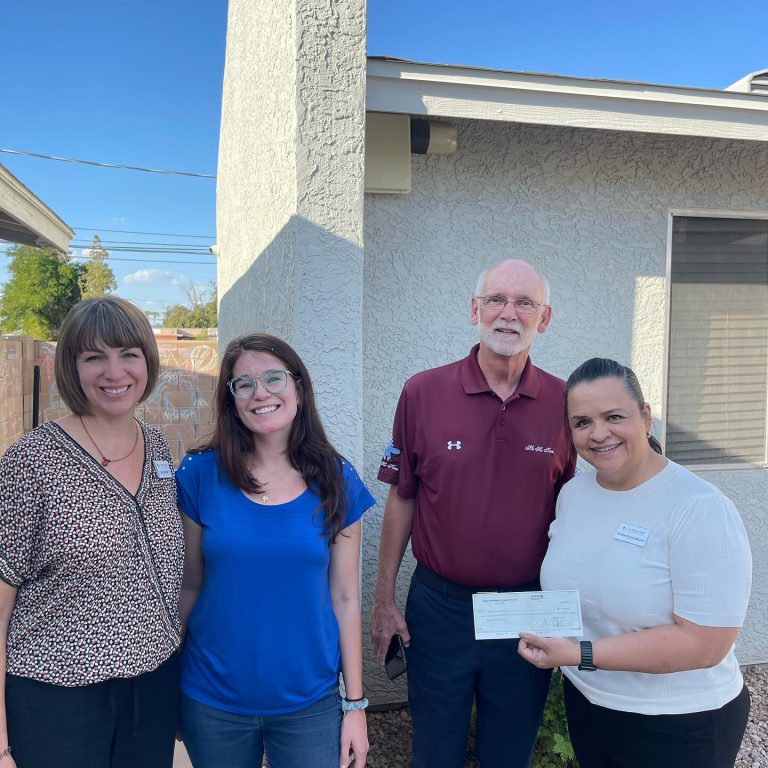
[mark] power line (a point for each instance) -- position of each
(143, 249)
(156, 262)
(108, 165)
(109, 244)
(136, 232)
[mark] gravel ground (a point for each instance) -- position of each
(390, 732)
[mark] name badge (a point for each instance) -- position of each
(632, 534)
(162, 468)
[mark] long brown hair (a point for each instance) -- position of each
(309, 450)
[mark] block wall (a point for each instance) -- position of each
(181, 403)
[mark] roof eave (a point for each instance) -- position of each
(434, 90)
(27, 219)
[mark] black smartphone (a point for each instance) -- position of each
(394, 662)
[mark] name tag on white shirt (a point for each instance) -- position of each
(632, 534)
(162, 468)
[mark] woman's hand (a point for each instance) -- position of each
(548, 652)
(354, 739)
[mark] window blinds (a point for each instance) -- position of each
(717, 384)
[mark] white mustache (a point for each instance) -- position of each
(508, 325)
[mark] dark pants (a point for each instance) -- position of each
(607, 738)
(448, 670)
(118, 723)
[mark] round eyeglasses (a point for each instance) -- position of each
(274, 381)
(497, 303)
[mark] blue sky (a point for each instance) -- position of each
(139, 83)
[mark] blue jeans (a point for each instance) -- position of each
(308, 737)
(448, 671)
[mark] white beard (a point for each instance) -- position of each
(501, 345)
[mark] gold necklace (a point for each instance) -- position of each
(105, 462)
(264, 496)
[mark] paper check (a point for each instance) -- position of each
(555, 613)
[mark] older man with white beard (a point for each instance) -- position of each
(478, 454)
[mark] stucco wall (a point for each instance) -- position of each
(290, 191)
(591, 210)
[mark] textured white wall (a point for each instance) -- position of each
(290, 191)
(590, 208)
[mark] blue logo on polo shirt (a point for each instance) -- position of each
(390, 451)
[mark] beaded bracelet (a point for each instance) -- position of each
(350, 705)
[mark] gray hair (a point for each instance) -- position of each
(484, 274)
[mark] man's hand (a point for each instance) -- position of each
(387, 620)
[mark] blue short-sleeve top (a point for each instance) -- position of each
(262, 637)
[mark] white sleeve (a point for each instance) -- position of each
(710, 562)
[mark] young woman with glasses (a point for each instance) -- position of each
(271, 584)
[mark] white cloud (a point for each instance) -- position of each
(118, 219)
(153, 276)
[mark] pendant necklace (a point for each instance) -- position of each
(105, 462)
(265, 496)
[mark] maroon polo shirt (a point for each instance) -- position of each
(485, 473)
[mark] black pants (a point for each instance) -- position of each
(119, 723)
(448, 670)
(607, 738)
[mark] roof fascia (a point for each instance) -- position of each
(32, 213)
(434, 90)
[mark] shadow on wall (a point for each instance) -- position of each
(306, 286)
(181, 404)
(261, 299)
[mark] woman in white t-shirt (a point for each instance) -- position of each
(663, 567)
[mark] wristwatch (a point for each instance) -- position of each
(587, 664)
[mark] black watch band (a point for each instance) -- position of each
(587, 664)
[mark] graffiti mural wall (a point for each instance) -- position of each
(181, 404)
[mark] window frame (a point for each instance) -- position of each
(702, 213)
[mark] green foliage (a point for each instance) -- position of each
(42, 287)
(97, 278)
(553, 748)
(197, 314)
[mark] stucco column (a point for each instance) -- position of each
(290, 191)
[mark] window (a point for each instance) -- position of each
(717, 382)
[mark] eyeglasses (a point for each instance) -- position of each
(497, 303)
(274, 381)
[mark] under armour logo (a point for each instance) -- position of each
(456, 445)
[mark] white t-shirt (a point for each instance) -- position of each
(673, 544)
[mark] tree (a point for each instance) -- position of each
(97, 278)
(43, 286)
(198, 313)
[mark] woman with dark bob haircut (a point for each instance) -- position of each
(271, 578)
(663, 567)
(91, 553)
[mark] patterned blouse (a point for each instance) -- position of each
(98, 570)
